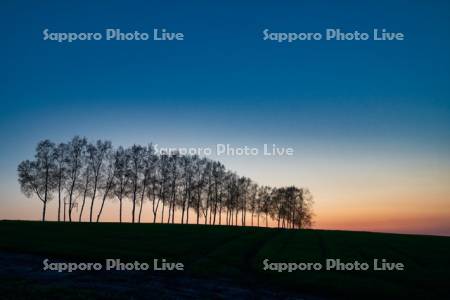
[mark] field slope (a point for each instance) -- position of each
(221, 254)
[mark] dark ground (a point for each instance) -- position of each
(220, 262)
(22, 270)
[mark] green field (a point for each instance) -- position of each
(236, 254)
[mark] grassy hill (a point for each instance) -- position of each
(235, 254)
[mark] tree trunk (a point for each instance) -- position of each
(198, 206)
(134, 206)
(155, 208)
(215, 212)
(140, 211)
(44, 210)
(45, 194)
(173, 209)
(70, 201)
(120, 209)
(182, 210)
(59, 201)
(93, 198)
(170, 211)
(206, 210)
(162, 211)
(101, 208)
(71, 195)
(187, 213)
(155, 211)
(82, 207)
(142, 203)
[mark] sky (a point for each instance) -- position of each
(369, 121)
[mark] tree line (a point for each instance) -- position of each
(80, 173)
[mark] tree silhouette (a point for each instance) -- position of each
(97, 154)
(37, 176)
(108, 182)
(60, 174)
(74, 162)
(171, 182)
(121, 160)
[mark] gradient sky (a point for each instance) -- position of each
(369, 121)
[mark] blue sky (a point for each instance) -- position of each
(335, 102)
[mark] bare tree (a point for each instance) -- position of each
(266, 203)
(187, 175)
(149, 169)
(59, 157)
(36, 177)
(164, 182)
(121, 161)
(153, 192)
(303, 210)
(78, 170)
(135, 173)
(198, 183)
(96, 156)
(244, 184)
(84, 185)
(252, 200)
(108, 179)
(76, 150)
(218, 175)
(173, 185)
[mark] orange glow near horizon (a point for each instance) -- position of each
(435, 221)
(402, 194)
